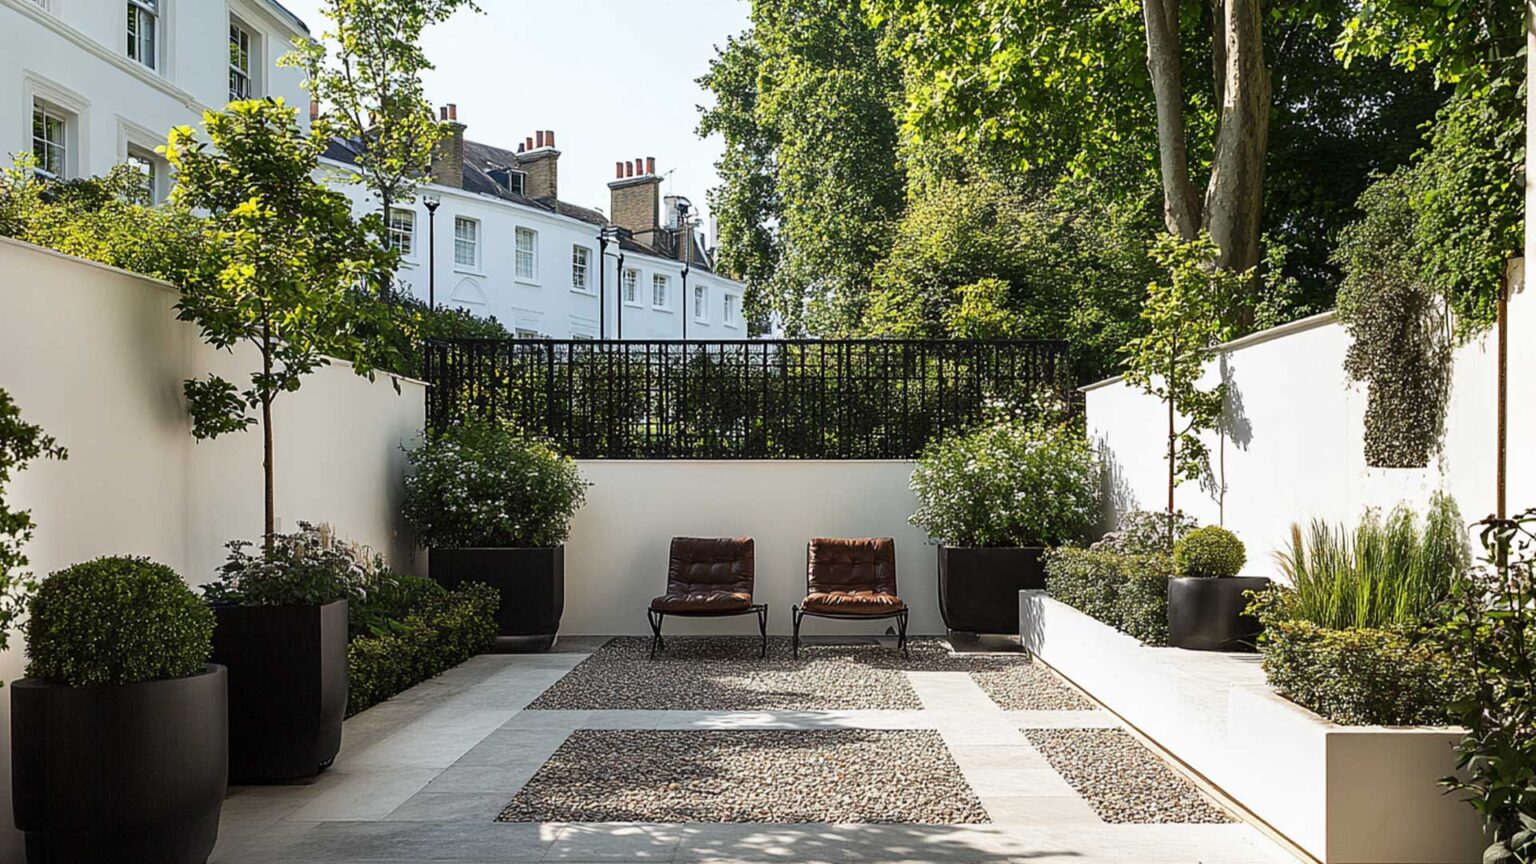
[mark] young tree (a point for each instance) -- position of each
(370, 89)
(20, 443)
(1184, 319)
(286, 267)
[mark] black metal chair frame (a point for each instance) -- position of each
(656, 616)
(797, 615)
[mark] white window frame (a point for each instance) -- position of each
(461, 243)
(629, 286)
(663, 282)
(404, 231)
(65, 147)
(252, 64)
(581, 269)
(154, 170)
(526, 333)
(701, 303)
(525, 261)
(138, 12)
(730, 309)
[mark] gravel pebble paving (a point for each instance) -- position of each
(777, 776)
(709, 673)
(1122, 780)
(1029, 687)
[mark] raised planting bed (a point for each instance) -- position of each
(1344, 794)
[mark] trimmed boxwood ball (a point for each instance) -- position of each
(116, 620)
(1209, 552)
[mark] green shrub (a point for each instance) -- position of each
(1210, 552)
(391, 597)
(307, 568)
(1140, 532)
(1008, 483)
(1384, 574)
(116, 621)
(478, 484)
(1127, 592)
(449, 628)
(1360, 676)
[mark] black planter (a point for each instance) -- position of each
(979, 588)
(1207, 614)
(120, 774)
(287, 688)
(532, 586)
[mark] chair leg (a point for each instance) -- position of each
(901, 634)
(762, 629)
(656, 641)
(798, 616)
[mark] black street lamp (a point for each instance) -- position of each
(433, 201)
(685, 237)
(605, 235)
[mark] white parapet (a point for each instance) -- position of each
(1344, 794)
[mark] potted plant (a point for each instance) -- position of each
(282, 631)
(119, 734)
(496, 508)
(995, 498)
(1206, 598)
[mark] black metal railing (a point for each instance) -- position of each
(743, 399)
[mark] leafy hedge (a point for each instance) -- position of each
(444, 631)
(1361, 676)
(1126, 591)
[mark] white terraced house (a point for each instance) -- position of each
(89, 84)
(507, 246)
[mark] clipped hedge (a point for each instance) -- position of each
(1361, 676)
(445, 631)
(1126, 591)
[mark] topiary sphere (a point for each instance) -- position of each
(117, 621)
(1210, 552)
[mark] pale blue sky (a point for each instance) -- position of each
(613, 79)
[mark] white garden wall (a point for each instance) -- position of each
(96, 357)
(616, 558)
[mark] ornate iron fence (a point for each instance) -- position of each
(744, 399)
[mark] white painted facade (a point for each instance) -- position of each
(107, 98)
(551, 299)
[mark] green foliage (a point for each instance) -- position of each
(1141, 532)
(478, 484)
(366, 73)
(1210, 552)
(1185, 323)
(446, 629)
(1126, 591)
(1010, 482)
(1492, 640)
(1386, 573)
(1360, 676)
(116, 621)
(309, 567)
(20, 442)
(391, 598)
(410, 324)
(285, 263)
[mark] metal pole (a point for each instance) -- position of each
(602, 285)
(432, 253)
(620, 310)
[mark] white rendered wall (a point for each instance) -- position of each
(96, 357)
(616, 558)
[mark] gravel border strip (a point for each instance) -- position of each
(1121, 779)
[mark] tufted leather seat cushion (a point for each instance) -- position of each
(852, 577)
(708, 575)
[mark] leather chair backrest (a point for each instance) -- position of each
(710, 564)
(867, 564)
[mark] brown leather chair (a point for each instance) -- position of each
(708, 578)
(852, 580)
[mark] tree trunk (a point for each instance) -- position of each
(269, 525)
(1181, 205)
(1173, 438)
(1235, 196)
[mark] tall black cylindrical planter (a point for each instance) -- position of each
(287, 688)
(979, 587)
(532, 586)
(120, 774)
(1206, 614)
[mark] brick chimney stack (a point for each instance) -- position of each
(448, 161)
(538, 159)
(635, 197)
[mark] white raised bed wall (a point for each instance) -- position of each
(1345, 794)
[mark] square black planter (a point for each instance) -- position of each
(287, 688)
(1206, 614)
(979, 587)
(531, 583)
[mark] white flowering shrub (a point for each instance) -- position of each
(478, 484)
(1010, 482)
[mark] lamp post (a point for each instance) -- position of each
(433, 201)
(685, 237)
(605, 235)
